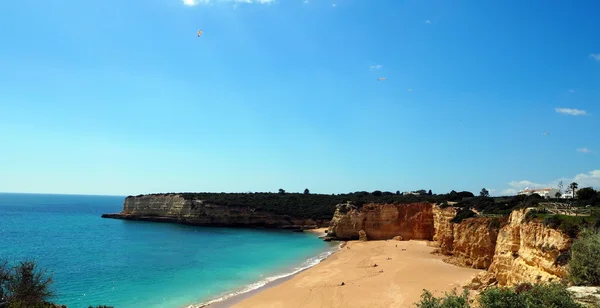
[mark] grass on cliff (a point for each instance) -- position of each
(570, 225)
(522, 296)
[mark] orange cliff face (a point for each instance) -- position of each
(383, 221)
(511, 249)
(529, 252)
(471, 242)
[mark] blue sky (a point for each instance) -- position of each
(121, 97)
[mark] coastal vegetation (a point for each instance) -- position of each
(322, 206)
(524, 295)
(584, 268)
(24, 285)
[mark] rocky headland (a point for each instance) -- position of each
(174, 208)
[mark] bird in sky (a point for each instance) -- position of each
(381, 79)
(199, 32)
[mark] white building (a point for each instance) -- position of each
(543, 192)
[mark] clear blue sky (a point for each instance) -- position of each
(122, 97)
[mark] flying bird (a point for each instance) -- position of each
(381, 79)
(546, 133)
(199, 32)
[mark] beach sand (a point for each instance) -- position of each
(318, 231)
(411, 269)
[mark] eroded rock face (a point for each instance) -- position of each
(528, 252)
(174, 208)
(383, 221)
(475, 241)
(472, 242)
(444, 229)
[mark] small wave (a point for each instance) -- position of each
(253, 286)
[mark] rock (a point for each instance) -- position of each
(474, 242)
(528, 251)
(482, 281)
(397, 238)
(383, 221)
(586, 295)
(362, 236)
(174, 208)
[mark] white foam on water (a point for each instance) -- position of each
(310, 262)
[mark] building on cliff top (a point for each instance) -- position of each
(543, 192)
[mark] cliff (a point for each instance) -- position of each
(529, 252)
(511, 249)
(471, 242)
(176, 209)
(383, 221)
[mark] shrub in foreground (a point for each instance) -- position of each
(450, 300)
(24, 285)
(584, 268)
(551, 295)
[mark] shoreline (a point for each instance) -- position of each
(384, 273)
(232, 298)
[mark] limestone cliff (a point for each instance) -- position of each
(383, 221)
(512, 249)
(529, 252)
(471, 242)
(174, 208)
(444, 229)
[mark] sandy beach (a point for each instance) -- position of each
(404, 269)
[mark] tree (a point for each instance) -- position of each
(586, 193)
(573, 187)
(557, 194)
(484, 193)
(24, 284)
(281, 191)
(430, 193)
(306, 192)
(397, 192)
(377, 193)
(560, 187)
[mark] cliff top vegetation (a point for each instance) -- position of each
(322, 206)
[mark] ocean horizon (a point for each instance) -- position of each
(96, 261)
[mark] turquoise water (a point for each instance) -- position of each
(142, 264)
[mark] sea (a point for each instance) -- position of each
(98, 261)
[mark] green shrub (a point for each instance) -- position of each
(551, 295)
(450, 300)
(584, 268)
(24, 284)
(462, 215)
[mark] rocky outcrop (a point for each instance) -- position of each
(444, 229)
(529, 252)
(471, 242)
(362, 236)
(383, 221)
(474, 242)
(175, 209)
